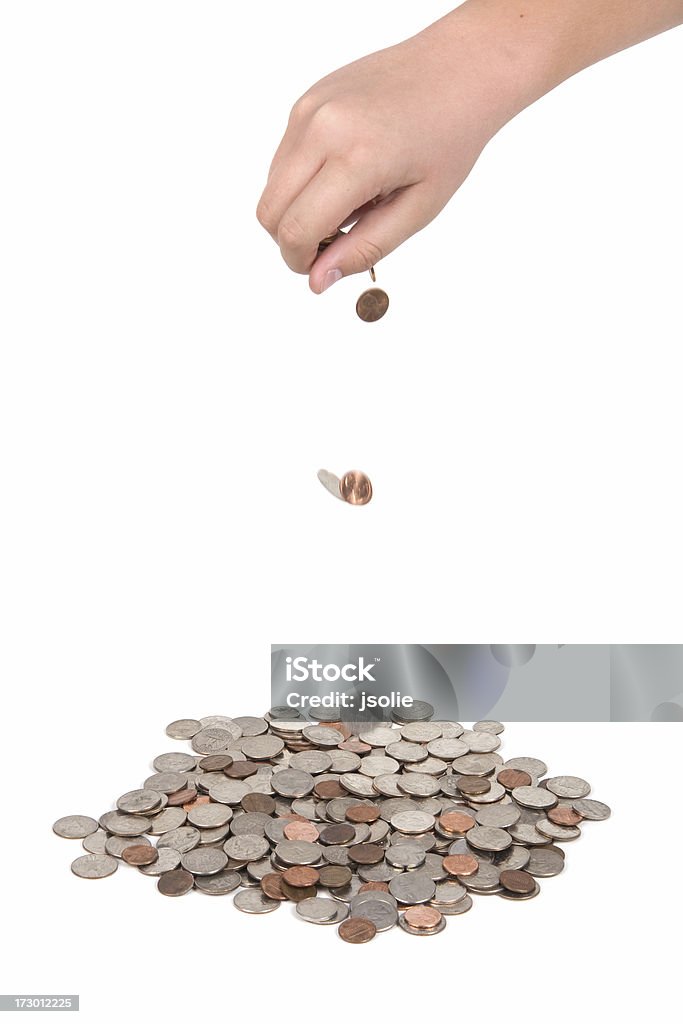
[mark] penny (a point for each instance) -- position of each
(359, 813)
(366, 853)
(517, 881)
(461, 864)
(509, 895)
(336, 835)
(407, 927)
(334, 876)
(564, 816)
(456, 821)
(374, 887)
(175, 883)
(94, 865)
(183, 728)
(372, 305)
(182, 797)
(511, 778)
(355, 488)
(472, 786)
(240, 770)
(74, 826)
(423, 917)
(302, 830)
(357, 930)
(259, 803)
(301, 877)
(297, 893)
(592, 810)
(328, 790)
(272, 886)
(215, 762)
(140, 854)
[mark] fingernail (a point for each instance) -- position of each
(330, 278)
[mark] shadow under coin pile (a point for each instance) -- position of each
(363, 826)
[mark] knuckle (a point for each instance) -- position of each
(367, 252)
(302, 109)
(264, 216)
(291, 234)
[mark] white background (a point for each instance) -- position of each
(168, 390)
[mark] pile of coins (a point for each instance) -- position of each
(364, 826)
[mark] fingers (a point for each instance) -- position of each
(318, 210)
(289, 175)
(378, 232)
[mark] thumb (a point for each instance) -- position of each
(377, 232)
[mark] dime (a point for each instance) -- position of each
(174, 762)
(485, 837)
(461, 907)
(74, 826)
(218, 885)
(140, 854)
(592, 810)
(545, 862)
(183, 728)
(94, 843)
(569, 786)
(254, 901)
(534, 796)
(372, 305)
(357, 930)
(317, 910)
(94, 865)
(139, 801)
(355, 488)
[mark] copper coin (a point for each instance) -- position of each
(329, 239)
(305, 830)
(355, 746)
(356, 930)
(470, 785)
(423, 917)
(329, 790)
(355, 488)
(259, 802)
(456, 821)
(240, 770)
(513, 777)
(517, 881)
(272, 886)
(176, 882)
(215, 762)
(140, 855)
(296, 893)
(300, 876)
(337, 835)
(461, 864)
(366, 853)
(334, 876)
(564, 816)
(372, 305)
(198, 800)
(363, 814)
(183, 796)
(374, 887)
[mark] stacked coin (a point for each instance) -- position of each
(364, 826)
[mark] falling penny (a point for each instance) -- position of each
(356, 488)
(372, 305)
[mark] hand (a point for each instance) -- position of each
(384, 143)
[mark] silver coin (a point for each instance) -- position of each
(430, 766)
(74, 826)
(545, 862)
(115, 845)
(515, 858)
(382, 915)
(256, 869)
(94, 843)
(221, 722)
(532, 765)
(168, 860)
(298, 852)
(507, 895)
(377, 764)
(169, 819)
(336, 855)
(281, 711)
(527, 834)
(411, 887)
(252, 823)
(262, 748)
(387, 785)
(247, 847)
(407, 927)
(489, 726)
(480, 765)
(344, 761)
(166, 782)
(212, 836)
(448, 748)
(412, 822)
(498, 815)
(182, 839)
(174, 762)
(480, 742)
(359, 785)
(228, 791)
(212, 740)
(311, 762)
(448, 893)
(371, 894)
(94, 865)
(204, 861)
(293, 783)
(569, 786)
(406, 752)
(405, 855)
(461, 907)
(451, 729)
(124, 824)
(419, 711)
(218, 885)
(330, 482)
(485, 837)
(251, 725)
(535, 797)
(484, 880)
(421, 732)
(323, 735)
(139, 801)
(183, 728)
(254, 901)
(317, 909)
(419, 785)
(380, 736)
(560, 833)
(382, 872)
(591, 810)
(209, 815)
(495, 793)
